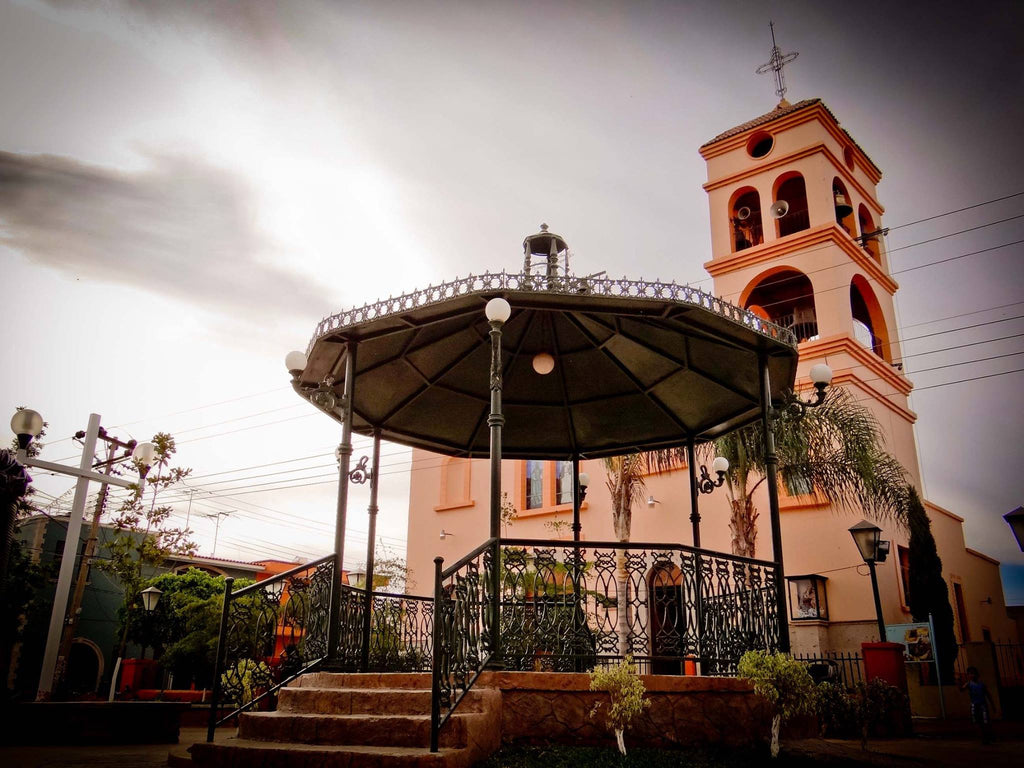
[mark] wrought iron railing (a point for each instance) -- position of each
(489, 282)
(401, 633)
(270, 632)
(846, 669)
(463, 619)
(675, 609)
(570, 607)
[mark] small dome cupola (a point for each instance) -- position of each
(546, 255)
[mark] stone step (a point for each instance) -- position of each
(403, 680)
(244, 753)
(369, 730)
(367, 701)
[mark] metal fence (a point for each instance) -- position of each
(846, 669)
(674, 609)
(274, 630)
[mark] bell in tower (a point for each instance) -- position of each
(546, 256)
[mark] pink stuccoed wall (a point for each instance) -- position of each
(815, 536)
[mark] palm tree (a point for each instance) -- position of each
(625, 483)
(834, 451)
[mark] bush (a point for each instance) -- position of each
(783, 682)
(626, 691)
(838, 714)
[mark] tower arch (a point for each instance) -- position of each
(745, 218)
(868, 320)
(843, 206)
(791, 188)
(785, 296)
(869, 241)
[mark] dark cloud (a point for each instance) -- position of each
(181, 228)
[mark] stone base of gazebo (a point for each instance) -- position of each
(546, 707)
(353, 720)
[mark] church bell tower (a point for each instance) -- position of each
(797, 238)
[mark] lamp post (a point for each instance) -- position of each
(867, 536)
(150, 596)
(1015, 519)
(703, 484)
(27, 425)
(821, 377)
(497, 312)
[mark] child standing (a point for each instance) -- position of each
(980, 701)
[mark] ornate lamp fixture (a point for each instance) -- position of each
(719, 466)
(867, 537)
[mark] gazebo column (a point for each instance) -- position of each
(497, 313)
(344, 466)
(371, 534)
(698, 564)
(771, 463)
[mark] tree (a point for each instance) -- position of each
(625, 481)
(834, 451)
(184, 627)
(928, 593)
(626, 693)
(143, 538)
(784, 683)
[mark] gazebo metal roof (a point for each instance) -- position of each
(639, 365)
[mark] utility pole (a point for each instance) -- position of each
(218, 516)
(71, 624)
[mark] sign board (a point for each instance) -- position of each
(915, 638)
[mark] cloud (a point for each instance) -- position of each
(181, 228)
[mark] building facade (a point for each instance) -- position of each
(797, 238)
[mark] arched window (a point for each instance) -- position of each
(455, 483)
(868, 322)
(843, 205)
(786, 297)
(869, 233)
(790, 188)
(745, 219)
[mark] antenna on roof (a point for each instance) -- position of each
(775, 64)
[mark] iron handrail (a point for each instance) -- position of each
(221, 652)
(471, 556)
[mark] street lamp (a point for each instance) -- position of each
(867, 537)
(584, 482)
(1015, 520)
(26, 424)
(150, 596)
(497, 312)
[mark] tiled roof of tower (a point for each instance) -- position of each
(784, 108)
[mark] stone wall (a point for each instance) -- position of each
(543, 708)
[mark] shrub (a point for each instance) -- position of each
(838, 714)
(783, 682)
(626, 691)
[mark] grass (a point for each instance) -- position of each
(557, 756)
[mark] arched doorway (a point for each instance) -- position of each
(668, 620)
(85, 666)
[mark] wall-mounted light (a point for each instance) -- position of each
(584, 482)
(651, 501)
(445, 534)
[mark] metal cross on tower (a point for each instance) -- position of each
(775, 63)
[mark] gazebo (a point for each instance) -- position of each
(543, 364)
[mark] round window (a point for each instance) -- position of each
(760, 144)
(848, 157)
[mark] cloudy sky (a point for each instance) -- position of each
(187, 188)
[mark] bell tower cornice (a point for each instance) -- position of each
(784, 118)
(817, 237)
(786, 160)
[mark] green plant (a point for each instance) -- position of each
(883, 709)
(783, 682)
(507, 511)
(557, 527)
(626, 693)
(245, 679)
(838, 714)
